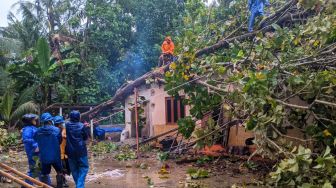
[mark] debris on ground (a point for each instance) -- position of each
(163, 156)
(198, 173)
(150, 183)
(104, 147)
(142, 166)
(125, 153)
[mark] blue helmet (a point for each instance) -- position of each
(45, 117)
(58, 119)
(75, 116)
(28, 118)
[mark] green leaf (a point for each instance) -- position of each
(186, 126)
(327, 151)
(276, 27)
(28, 107)
(64, 62)
(251, 124)
(7, 105)
(306, 185)
(26, 95)
(240, 54)
(327, 185)
(43, 54)
(294, 168)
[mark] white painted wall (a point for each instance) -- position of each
(156, 96)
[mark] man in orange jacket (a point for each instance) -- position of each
(167, 51)
(59, 122)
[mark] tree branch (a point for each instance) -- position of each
(330, 60)
(225, 43)
(291, 137)
(292, 105)
(210, 86)
(325, 102)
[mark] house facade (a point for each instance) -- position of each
(161, 111)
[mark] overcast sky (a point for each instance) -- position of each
(5, 8)
(6, 5)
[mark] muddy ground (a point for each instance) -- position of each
(105, 171)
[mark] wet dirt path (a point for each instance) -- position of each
(107, 172)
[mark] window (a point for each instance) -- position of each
(174, 109)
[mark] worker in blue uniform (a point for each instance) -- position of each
(256, 8)
(30, 145)
(48, 138)
(76, 149)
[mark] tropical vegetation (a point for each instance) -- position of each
(278, 78)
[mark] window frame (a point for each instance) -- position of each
(179, 102)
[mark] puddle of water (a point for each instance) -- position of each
(109, 174)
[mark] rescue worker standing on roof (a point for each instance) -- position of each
(30, 145)
(256, 8)
(167, 51)
(59, 123)
(76, 149)
(48, 138)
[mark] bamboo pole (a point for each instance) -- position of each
(9, 176)
(136, 119)
(156, 137)
(60, 111)
(8, 168)
(91, 128)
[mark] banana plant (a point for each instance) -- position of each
(45, 67)
(12, 110)
(42, 72)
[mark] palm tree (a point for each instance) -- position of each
(26, 31)
(39, 11)
(11, 111)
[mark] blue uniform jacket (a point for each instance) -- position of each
(29, 143)
(76, 137)
(257, 6)
(49, 138)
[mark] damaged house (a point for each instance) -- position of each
(160, 112)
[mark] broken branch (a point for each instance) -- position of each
(292, 105)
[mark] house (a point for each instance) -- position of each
(160, 113)
(160, 110)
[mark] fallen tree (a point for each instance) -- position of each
(128, 88)
(282, 80)
(281, 17)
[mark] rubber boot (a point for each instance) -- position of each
(65, 183)
(59, 180)
(45, 179)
